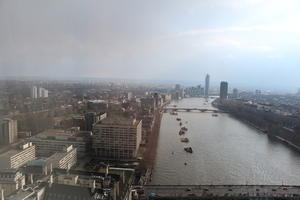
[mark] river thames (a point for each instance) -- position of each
(225, 151)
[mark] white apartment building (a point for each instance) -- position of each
(16, 158)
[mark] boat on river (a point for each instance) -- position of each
(173, 113)
(184, 139)
(184, 128)
(181, 132)
(188, 149)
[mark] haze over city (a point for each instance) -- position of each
(249, 43)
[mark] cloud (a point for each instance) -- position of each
(293, 28)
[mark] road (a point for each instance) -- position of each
(222, 191)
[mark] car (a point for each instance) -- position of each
(188, 189)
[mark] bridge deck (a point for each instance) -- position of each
(222, 191)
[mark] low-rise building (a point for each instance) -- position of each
(11, 180)
(17, 157)
(55, 140)
(65, 159)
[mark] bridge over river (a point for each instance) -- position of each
(202, 110)
(218, 192)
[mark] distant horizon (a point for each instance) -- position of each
(213, 84)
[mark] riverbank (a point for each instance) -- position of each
(273, 130)
(151, 147)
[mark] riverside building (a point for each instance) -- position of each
(117, 138)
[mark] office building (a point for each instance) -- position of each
(91, 118)
(15, 158)
(117, 138)
(54, 140)
(8, 131)
(206, 90)
(224, 90)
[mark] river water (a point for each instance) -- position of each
(225, 151)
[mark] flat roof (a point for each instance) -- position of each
(119, 120)
(60, 132)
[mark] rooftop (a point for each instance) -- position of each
(60, 132)
(118, 120)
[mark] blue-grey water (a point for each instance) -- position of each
(226, 151)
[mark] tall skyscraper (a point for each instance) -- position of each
(206, 91)
(8, 131)
(223, 90)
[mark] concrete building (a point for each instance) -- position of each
(235, 93)
(65, 159)
(148, 103)
(129, 96)
(15, 158)
(34, 92)
(223, 90)
(91, 118)
(117, 138)
(11, 180)
(8, 131)
(55, 140)
(206, 90)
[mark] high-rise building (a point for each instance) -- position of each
(34, 92)
(235, 93)
(257, 92)
(8, 131)
(129, 96)
(206, 90)
(223, 90)
(117, 138)
(42, 93)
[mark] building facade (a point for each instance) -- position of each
(51, 141)
(65, 159)
(16, 158)
(117, 138)
(224, 90)
(8, 131)
(206, 90)
(11, 180)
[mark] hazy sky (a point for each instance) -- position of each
(247, 42)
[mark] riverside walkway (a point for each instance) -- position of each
(220, 192)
